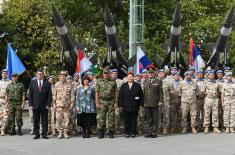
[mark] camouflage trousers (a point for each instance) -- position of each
(15, 114)
(118, 119)
(160, 118)
(4, 116)
(62, 118)
(191, 109)
(166, 115)
(175, 114)
(140, 120)
(221, 114)
(229, 112)
(51, 119)
(200, 112)
(31, 119)
(211, 107)
(106, 111)
(73, 120)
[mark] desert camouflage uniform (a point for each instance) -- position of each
(200, 102)
(188, 91)
(52, 115)
(64, 99)
(3, 108)
(228, 89)
(211, 104)
(221, 110)
(118, 112)
(166, 86)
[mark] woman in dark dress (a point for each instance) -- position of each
(85, 102)
(130, 99)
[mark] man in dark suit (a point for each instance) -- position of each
(40, 98)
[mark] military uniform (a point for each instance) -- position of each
(211, 105)
(175, 110)
(200, 102)
(141, 115)
(14, 93)
(64, 99)
(188, 89)
(152, 88)
(228, 90)
(118, 113)
(221, 111)
(106, 88)
(3, 108)
(52, 115)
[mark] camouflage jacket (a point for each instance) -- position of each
(188, 91)
(15, 91)
(107, 90)
(3, 86)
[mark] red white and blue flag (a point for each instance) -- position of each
(195, 57)
(142, 61)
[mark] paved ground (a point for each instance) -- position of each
(210, 144)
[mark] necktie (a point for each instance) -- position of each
(40, 85)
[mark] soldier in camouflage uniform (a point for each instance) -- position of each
(220, 80)
(200, 99)
(118, 111)
(4, 82)
(106, 98)
(175, 110)
(15, 98)
(152, 89)
(211, 104)
(63, 102)
(188, 91)
(228, 103)
(141, 114)
(51, 112)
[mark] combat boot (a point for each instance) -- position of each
(66, 136)
(194, 131)
(165, 131)
(3, 133)
(184, 131)
(227, 130)
(53, 132)
(60, 136)
(13, 131)
(19, 133)
(100, 134)
(111, 135)
(216, 130)
(232, 130)
(206, 130)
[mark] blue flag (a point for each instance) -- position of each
(14, 65)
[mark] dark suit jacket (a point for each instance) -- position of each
(37, 99)
(130, 99)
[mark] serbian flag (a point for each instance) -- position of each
(197, 60)
(83, 63)
(142, 61)
(191, 62)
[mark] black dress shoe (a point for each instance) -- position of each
(133, 135)
(44, 137)
(13, 132)
(153, 136)
(127, 135)
(36, 137)
(111, 135)
(19, 133)
(148, 135)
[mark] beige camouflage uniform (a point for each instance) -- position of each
(64, 98)
(118, 118)
(3, 108)
(188, 102)
(200, 102)
(228, 89)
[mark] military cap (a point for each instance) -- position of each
(174, 68)
(89, 73)
(63, 73)
(228, 74)
(106, 70)
(75, 74)
(219, 72)
(4, 70)
(211, 72)
(227, 68)
(51, 77)
(130, 69)
(187, 73)
(176, 73)
(200, 72)
(15, 74)
(144, 71)
(114, 70)
(161, 70)
(191, 68)
(69, 77)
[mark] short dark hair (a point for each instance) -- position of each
(40, 70)
(129, 73)
(85, 78)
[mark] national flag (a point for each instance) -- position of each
(191, 62)
(83, 63)
(198, 62)
(142, 61)
(14, 65)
